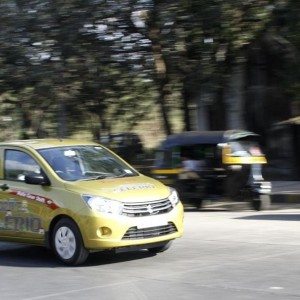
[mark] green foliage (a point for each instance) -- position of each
(67, 64)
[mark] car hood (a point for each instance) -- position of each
(127, 189)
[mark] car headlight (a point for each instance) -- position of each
(174, 198)
(103, 205)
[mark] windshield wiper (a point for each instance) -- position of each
(94, 177)
(104, 176)
(125, 175)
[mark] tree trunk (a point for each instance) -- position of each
(162, 103)
(217, 109)
(161, 72)
(186, 112)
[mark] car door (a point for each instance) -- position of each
(21, 205)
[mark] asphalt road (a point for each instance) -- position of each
(223, 255)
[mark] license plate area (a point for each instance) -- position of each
(142, 224)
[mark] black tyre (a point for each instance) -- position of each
(261, 203)
(67, 243)
(161, 248)
(256, 205)
(197, 203)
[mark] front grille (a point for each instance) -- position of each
(133, 233)
(141, 209)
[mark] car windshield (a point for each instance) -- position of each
(85, 163)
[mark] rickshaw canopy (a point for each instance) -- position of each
(204, 137)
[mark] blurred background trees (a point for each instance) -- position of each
(101, 66)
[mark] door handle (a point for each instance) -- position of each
(4, 187)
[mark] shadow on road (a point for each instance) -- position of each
(204, 209)
(15, 255)
(273, 217)
(193, 208)
(109, 257)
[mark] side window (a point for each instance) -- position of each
(176, 157)
(17, 164)
(162, 159)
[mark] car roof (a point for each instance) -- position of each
(47, 143)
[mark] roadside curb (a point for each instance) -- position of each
(285, 198)
(285, 192)
(278, 201)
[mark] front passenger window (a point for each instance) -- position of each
(17, 164)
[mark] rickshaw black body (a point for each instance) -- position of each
(231, 167)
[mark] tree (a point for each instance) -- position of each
(65, 63)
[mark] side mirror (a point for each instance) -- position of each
(37, 179)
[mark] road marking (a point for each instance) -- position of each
(82, 290)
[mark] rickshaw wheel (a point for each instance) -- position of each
(256, 205)
(199, 204)
(263, 203)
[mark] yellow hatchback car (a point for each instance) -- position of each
(78, 197)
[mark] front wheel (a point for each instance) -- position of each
(161, 248)
(67, 243)
(262, 202)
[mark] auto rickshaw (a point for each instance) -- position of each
(128, 145)
(231, 167)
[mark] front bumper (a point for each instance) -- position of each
(103, 231)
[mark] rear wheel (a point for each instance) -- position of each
(256, 205)
(261, 203)
(161, 248)
(67, 243)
